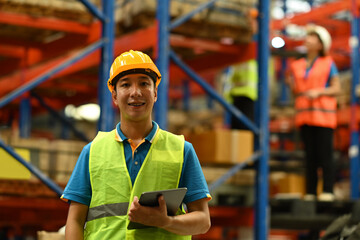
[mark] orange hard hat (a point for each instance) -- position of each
(133, 62)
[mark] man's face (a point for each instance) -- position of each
(135, 96)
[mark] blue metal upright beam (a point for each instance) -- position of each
(107, 114)
(94, 10)
(25, 117)
(161, 106)
(261, 202)
(186, 95)
(284, 98)
(354, 141)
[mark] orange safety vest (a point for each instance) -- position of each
(320, 111)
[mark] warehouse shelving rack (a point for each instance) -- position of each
(165, 54)
(105, 43)
(260, 127)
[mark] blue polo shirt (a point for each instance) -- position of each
(78, 188)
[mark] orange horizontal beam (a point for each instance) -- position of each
(332, 24)
(11, 82)
(43, 23)
(316, 14)
(12, 51)
(142, 39)
(202, 45)
(135, 40)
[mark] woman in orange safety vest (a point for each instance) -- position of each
(315, 84)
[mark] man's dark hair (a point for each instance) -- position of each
(148, 72)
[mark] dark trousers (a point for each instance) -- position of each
(318, 144)
(246, 106)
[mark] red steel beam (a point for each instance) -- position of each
(43, 23)
(316, 14)
(203, 45)
(30, 54)
(332, 24)
(135, 41)
(11, 82)
(12, 51)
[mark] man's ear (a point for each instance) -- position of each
(114, 97)
(156, 89)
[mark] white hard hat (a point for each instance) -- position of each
(323, 34)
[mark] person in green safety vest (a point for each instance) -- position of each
(137, 156)
(241, 89)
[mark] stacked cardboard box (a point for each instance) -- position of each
(65, 154)
(223, 146)
(56, 159)
(289, 184)
(245, 177)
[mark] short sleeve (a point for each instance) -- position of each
(192, 176)
(78, 188)
(333, 72)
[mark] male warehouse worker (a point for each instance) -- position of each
(137, 156)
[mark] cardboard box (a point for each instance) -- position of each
(223, 146)
(242, 145)
(42, 235)
(245, 177)
(212, 146)
(289, 183)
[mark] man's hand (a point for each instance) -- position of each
(150, 216)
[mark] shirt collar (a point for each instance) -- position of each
(119, 136)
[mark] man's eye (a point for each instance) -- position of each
(145, 84)
(124, 85)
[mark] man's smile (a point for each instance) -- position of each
(136, 104)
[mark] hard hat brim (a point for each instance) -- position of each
(125, 68)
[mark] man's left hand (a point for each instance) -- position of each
(150, 216)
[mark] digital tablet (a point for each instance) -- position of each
(172, 197)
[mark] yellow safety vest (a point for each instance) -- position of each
(112, 190)
(243, 79)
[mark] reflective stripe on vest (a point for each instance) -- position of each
(107, 210)
(320, 111)
(112, 190)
